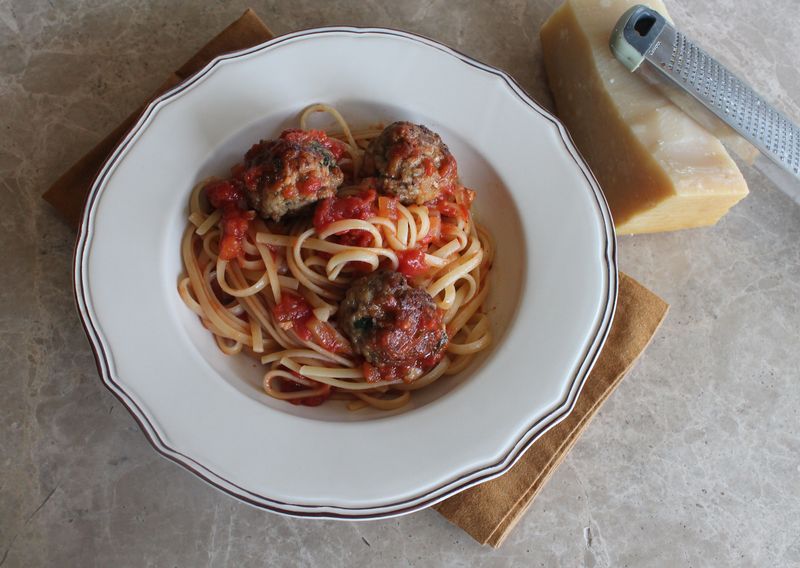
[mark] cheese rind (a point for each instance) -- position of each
(659, 169)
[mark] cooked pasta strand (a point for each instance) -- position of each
(279, 300)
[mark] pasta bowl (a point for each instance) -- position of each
(551, 301)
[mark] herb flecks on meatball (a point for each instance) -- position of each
(397, 328)
(284, 176)
(410, 162)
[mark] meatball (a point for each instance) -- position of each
(397, 328)
(286, 175)
(410, 162)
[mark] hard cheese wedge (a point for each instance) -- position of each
(659, 170)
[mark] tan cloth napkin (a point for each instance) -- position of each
(489, 511)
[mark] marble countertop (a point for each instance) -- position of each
(694, 461)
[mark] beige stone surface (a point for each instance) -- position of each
(695, 460)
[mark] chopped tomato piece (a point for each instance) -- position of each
(332, 209)
(251, 176)
(235, 223)
(448, 168)
(454, 200)
(336, 147)
(300, 329)
(412, 262)
(293, 312)
(450, 209)
(292, 307)
(387, 207)
(228, 197)
(325, 335)
(222, 193)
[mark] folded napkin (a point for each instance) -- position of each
(489, 511)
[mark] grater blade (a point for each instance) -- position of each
(647, 44)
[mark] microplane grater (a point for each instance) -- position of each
(647, 44)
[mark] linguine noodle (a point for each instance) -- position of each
(235, 299)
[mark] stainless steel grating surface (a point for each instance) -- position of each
(728, 97)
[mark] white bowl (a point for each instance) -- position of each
(554, 281)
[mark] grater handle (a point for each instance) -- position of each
(648, 45)
(635, 32)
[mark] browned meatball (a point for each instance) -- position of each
(410, 162)
(286, 175)
(398, 329)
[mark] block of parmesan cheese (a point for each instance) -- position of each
(659, 169)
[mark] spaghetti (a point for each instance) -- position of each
(272, 288)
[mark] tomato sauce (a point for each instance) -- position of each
(361, 206)
(387, 207)
(375, 374)
(316, 400)
(402, 150)
(294, 310)
(332, 209)
(412, 262)
(309, 186)
(325, 335)
(428, 166)
(334, 146)
(454, 201)
(388, 338)
(229, 197)
(448, 169)
(396, 327)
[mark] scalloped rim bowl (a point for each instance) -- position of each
(553, 283)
